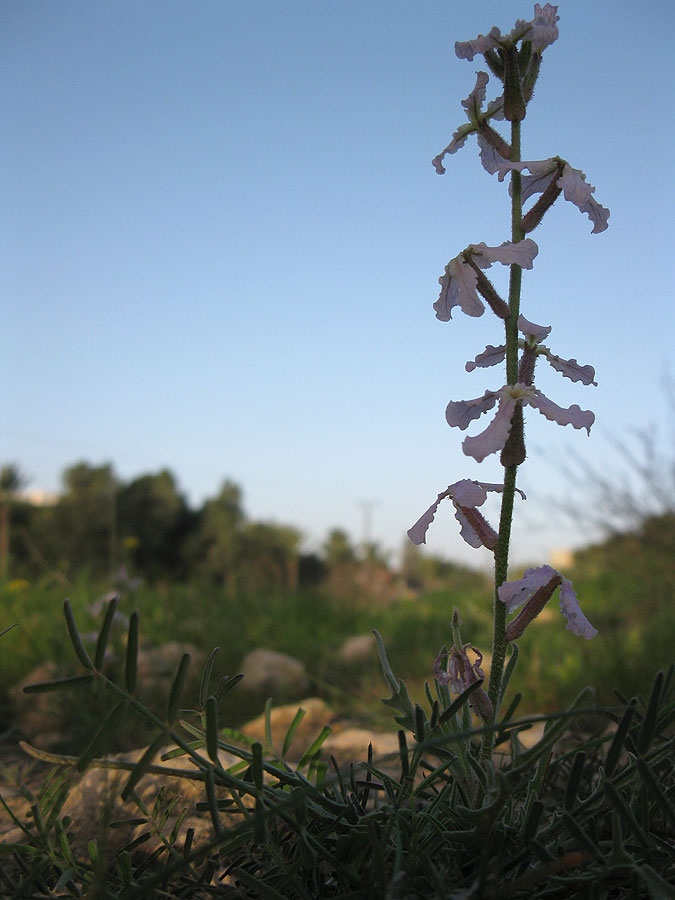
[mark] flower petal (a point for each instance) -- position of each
(459, 413)
(514, 594)
(538, 332)
(418, 532)
(574, 416)
(521, 253)
(468, 493)
(491, 356)
(495, 435)
(489, 156)
(468, 49)
(544, 26)
(577, 622)
(570, 368)
(577, 191)
(458, 288)
(458, 140)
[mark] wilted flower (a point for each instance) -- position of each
(454, 668)
(459, 284)
(541, 31)
(466, 496)
(572, 182)
(460, 413)
(534, 590)
(534, 335)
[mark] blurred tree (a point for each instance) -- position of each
(153, 520)
(11, 482)
(214, 547)
(269, 556)
(83, 523)
(337, 549)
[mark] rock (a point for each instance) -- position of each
(317, 714)
(351, 745)
(274, 674)
(95, 801)
(357, 650)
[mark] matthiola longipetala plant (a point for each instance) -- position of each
(514, 61)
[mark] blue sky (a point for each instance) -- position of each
(221, 237)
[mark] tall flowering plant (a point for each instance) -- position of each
(514, 61)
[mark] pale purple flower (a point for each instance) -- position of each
(534, 334)
(514, 594)
(572, 182)
(466, 496)
(542, 31)
(460, 413)
(473, 105)
(459, 283)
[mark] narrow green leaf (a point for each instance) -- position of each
(226, 684)
(213, 801)
(403, 754)
(313, 749)
(206, 678)
(257, 764)
(420, 723)
(292, 728)
(625, 813)
(508, 671)
(124, 867)
(574, 779)
(108, 725)
(580, 836)
(212, 728)
(658, 888)
(177, 689)
(142, 765)
(655, 790)
(268, 723)
(41, 687)
(104, 633)
(459, 702)
(531, 822)
(75, 638)
(131, 664)
(649, 722)
(384, 662)
(619, 739)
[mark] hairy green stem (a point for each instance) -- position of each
(499, 642)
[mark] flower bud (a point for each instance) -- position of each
(513, 452)
(477, 521)
(532, 608)
(526, 367)
(487, 290)
(514, 102)
(494, 139)
(495, 64)
(530, 77)
(534, 216)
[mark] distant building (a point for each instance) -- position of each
(36, 497)
(561, 558)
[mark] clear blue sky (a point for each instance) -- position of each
(221, 236)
